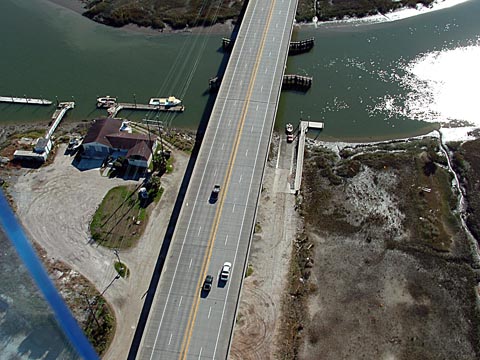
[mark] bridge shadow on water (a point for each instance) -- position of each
(150, 294)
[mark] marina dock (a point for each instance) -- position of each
(24, 100)
(304, 126)
(43, 145)
(114, 110)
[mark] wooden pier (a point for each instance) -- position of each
(24, 100)
(114, 110)
(299, 47)
(304, 126)
(44, 145)
(297, 82)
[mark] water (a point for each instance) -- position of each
(360, 89)
(56, 52)
(356, 68)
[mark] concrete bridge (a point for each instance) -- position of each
(186, 322)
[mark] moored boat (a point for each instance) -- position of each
(289, 128)
(106, 101)
(167, 102)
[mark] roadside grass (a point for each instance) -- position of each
(249, 270)
(122, 269)
(121, 218)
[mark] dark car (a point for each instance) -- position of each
(207, 285)
(215, 192)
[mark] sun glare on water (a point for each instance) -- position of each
(441, 86)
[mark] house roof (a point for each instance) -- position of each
(107, 132)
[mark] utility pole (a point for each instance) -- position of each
(135, 100)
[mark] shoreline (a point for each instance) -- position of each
(78, 7)
(396, 15)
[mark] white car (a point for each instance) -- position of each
(225, 274)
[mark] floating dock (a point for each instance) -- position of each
(24, 100)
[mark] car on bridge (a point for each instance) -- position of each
(215, 193)
(225, 274)
(207, 284)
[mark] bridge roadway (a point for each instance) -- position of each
(184, 322)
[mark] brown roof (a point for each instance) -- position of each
(107, 132)
(140, 150)
(100, 128)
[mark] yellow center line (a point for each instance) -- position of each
(194, 309)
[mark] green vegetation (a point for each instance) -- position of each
(100, 324)
(122, 216)
(122, 269)
(158, 13)
(249, 270)
(466, 161)
(179, 14)
(330, 9)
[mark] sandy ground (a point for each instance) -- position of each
(256, 329)
(56, 203)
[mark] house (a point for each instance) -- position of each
(111, 137)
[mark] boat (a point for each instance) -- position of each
(106, 102)
(289, 128)
(167, 102)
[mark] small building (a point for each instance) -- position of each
(106, 138)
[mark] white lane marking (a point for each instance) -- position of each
(215, 172)
(273, 40)
(250, 50)
(261, 89)
(262, 9)
(199, 229)
(200, 353)
(198, 190)
(209, 311)
(180, 302)
(269, 54)
(229, 122)
(246, 153)
(280, 12)
(233, 209)
(245, 209)
(266, 70)
(226, 239)
(223, 146)
(256, 109)
(254, 35)
(240, 179)
(170, 340)
(278, 155)
(189, 266)
(251, 129)
(276, 26)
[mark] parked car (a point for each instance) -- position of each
(225, 274)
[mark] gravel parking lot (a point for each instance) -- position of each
(56, 203)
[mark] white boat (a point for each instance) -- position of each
(106, 101)
(167, 102)
(289, 128)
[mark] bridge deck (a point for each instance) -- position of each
(184, 322)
